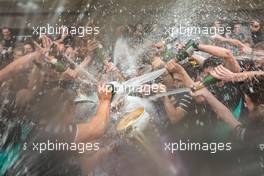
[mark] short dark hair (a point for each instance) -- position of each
(247, 64)
(192, 71)
(212, 62)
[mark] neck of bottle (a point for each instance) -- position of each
(207, 81)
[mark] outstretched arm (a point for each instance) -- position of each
(25, 96)
(229, 60)
(224, 74)
(221, 110)
(174, 114)
(18, 65)
(234, 42)
(97, 126)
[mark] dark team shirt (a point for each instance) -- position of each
(185, 102)
(197, 121)
(6, 55)
(5, 59)
(229, 94)
(11, 119)
(247, 65)
(257, 37)
(13, 131)
(9, 43)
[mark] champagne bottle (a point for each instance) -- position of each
(187, 51)
(169, 51)
(167, 54)
(183, 53)
(58, 66)
(207, 81)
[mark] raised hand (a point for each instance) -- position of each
(46, 43)
(222, 73)
(157, 63)
(104, 92)
(92, 45)
(179, 73)
(173, 67)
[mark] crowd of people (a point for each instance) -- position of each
(41, 78)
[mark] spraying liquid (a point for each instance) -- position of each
(124, 58)
(173, 92)
(145, 77)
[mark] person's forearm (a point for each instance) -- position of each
(242, 76)
(229, 60)
(33, 87)
(184, 77)
(214, 50)
(169, 108)
(247, 75)
(234, 42)
(222, 111)
(173, 115)
(18, 65)
(35, 81)
(86, 61)
(98, 124)
(189, 82)
(237, 43)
